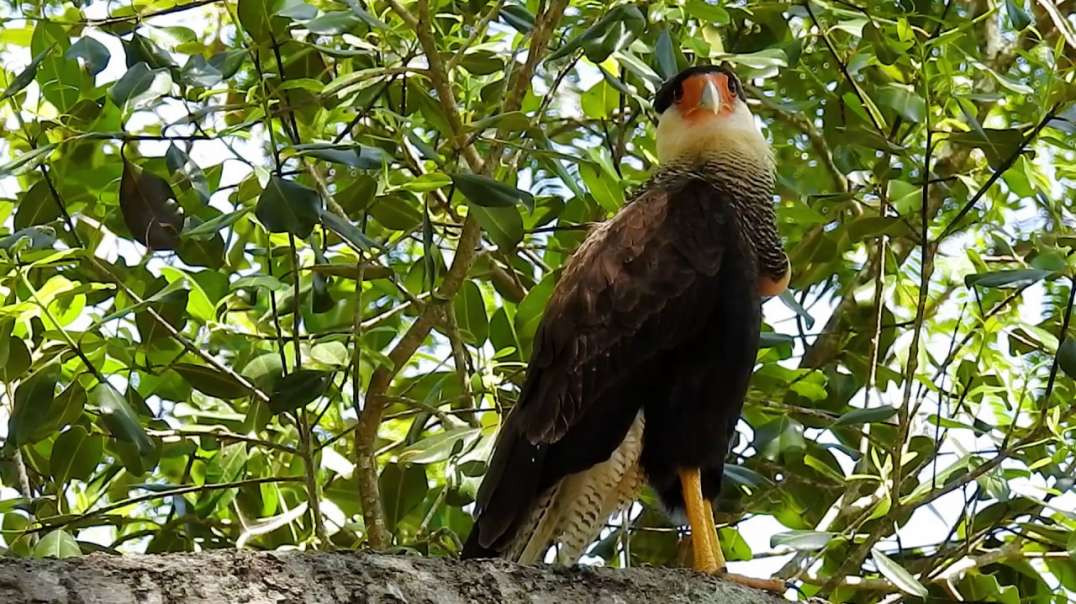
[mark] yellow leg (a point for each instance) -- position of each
(702, 536)
(711, 529)
(705, 546)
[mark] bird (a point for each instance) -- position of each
(641, 361)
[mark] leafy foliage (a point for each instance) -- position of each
(270, 272)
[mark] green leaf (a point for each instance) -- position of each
(606, 192)
(294, 9)
(763, 60)
(226, 466)
(998, 144)
(428, 182)
(1017, 15)
(482, 62)
(259, 18)
(207, 252)
(503, 225)
(470, 310)
(398, 211)
(210, 228)
(803, 541)
(286, 206)
(780, 436)
(211, 381)
(487, 192)
(366, 17)
(149, 211)
(178, 161)
(745, 476)
(600, 101)
(363, 157)
(33, 399)
(27, 161)
(347, 231)
(298, 389)
(706, 12)
(140, 83)
(904, 101)
(896, 573)
(1006, 278)
(118, 417)
(440, 446)
(36, 206)
(733, 544)
(869, 227)
(228, 62)
(865, 416)
(57, 544)
(333, 354)
(25, 76)
(75, 455)
(665, 56)
(607, 35)
(94, 55)
(518, 17)
(402, 489)
(1066, 356)
(140, 49)
(333, 23)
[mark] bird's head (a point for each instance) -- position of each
(703, 117)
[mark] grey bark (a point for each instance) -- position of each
(324, 578)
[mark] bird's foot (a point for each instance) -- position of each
(774, 585)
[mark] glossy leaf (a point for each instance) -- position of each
(26, 76)
(1066, 356)
(297, 389)
(75, 455)
(802, 540)
(898, 575)
(865, 416)
(57, 544)
(94, 54)
(286, 206)
(1006, 278)
(149, 208)
(139, 83)
(211, 381)
(486, 192)
(33, 399)
(117, 416)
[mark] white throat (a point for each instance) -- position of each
(711, 136)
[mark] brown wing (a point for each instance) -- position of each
(629, 277)
(635, 287)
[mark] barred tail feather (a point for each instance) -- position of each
(536, 534)
(572, 513)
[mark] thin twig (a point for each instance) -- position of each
(197, 488)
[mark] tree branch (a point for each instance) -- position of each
(466, 248)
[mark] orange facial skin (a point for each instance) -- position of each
(693, 87)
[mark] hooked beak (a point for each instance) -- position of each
(711, 98)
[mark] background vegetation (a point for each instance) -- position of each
(270, 272)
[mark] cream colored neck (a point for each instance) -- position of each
(700, 140)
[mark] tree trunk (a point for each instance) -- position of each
(250, 577)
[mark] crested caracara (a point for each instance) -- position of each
(642, 359)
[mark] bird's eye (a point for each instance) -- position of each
(734, 87)
(678, 94)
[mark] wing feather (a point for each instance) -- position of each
(631, 273)
(637, 286)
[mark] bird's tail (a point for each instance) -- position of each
(571, 514)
